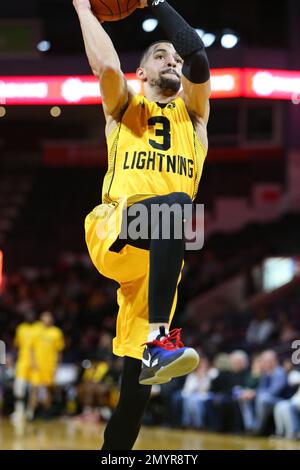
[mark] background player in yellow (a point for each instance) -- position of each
(46, 346)
(157, 145)
(24, 335)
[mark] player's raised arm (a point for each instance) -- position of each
(103, 60)
(188, 44)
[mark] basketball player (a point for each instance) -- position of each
(23, 342)
(46, 346)
(157, 144)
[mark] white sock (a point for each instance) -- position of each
(19, 407)
(154, 334)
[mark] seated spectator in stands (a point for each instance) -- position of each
(217, 394)
(245, 395)
(98, 388)
(220, 412)
(239, 365)
(171, 402)
(271, 389)
(287, 412)
(195, 395)
(260, 329)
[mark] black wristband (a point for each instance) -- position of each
(184, 38)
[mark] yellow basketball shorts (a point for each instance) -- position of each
(130, 268)
(42, 376)
(23, 370)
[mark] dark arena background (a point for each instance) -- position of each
(239, 299)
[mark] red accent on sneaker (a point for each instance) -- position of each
(170, 342)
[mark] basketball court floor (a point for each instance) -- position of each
(72, 434)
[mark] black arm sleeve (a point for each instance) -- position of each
(185, 40)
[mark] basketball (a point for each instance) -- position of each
(113, 10)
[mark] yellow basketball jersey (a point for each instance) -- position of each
(46, 344)
(25, 334)
(153, 151)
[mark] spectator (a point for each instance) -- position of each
(287, 412)
(98, 388)
(260, 329)
(220, 413)
(245, 395)
(171, 402)
(239, 365)
(195, 395)
(271, 389)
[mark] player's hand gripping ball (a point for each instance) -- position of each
(114, 10)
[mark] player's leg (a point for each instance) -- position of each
(165, 356)
(47, 399)
(33, 402)
(166, 254)
(124, 425)
(48, 390)
(19, 389)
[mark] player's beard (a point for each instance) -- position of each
(168, 85)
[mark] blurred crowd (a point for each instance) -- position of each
(237, 394)
(246, 381)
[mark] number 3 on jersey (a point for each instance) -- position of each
(162, 132)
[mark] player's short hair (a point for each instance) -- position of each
(148, 51)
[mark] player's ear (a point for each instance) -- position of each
(141, 74)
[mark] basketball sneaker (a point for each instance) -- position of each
(165, 358)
